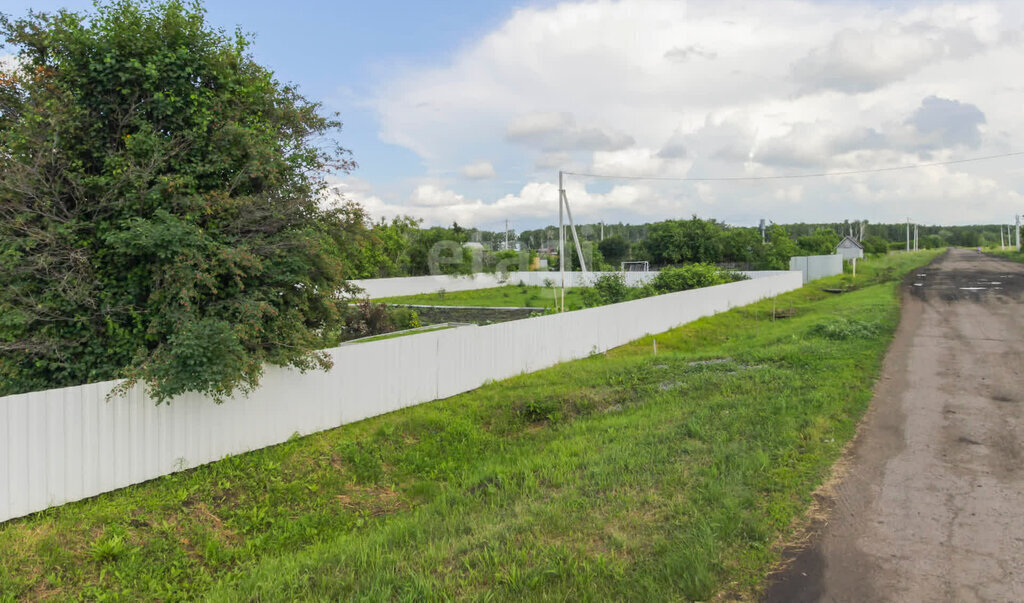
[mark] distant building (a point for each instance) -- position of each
(510, 246)
(850, 248)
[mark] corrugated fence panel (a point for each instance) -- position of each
(67, 444)
(814, 267)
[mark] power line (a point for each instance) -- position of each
(797, 176)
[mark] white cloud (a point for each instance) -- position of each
(731, 88)
(559, 132)
(549, 161)
(481, 170)
(692, 51)
(639, 162)
(429, 195)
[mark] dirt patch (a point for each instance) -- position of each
(374, 500)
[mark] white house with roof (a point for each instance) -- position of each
(850, 248)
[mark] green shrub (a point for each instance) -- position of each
(365, 319)
(405, 318)
(607, 289)
(692, 276)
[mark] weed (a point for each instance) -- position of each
(535, 411)
(364, 465)
(110, 547)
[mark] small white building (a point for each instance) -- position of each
(850, 248)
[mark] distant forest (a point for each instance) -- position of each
(402, 247)
(938, 236)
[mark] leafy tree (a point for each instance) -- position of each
(743, 246)
(875, 244)
(677, 241)
(780, 249)
(934, 241)
(439, 250)
(591, 253)
(385, 249)
(822, 242)
(160, 215)
(615, 249)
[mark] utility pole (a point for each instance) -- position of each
(602, 230)
(908, 234)
(915, 238)
(561, 240)
(1018, 232)
(1002, 241)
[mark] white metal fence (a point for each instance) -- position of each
(67, 444)
(814, 267)
(413, 285)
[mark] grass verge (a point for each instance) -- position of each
(1010, 253)
(621, 476)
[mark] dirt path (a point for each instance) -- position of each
(931, 505)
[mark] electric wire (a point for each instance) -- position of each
(794, 176)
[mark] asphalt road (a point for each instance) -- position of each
(929, 505)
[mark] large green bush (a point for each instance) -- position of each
(160, 215)
(607, 289)
(692, 276)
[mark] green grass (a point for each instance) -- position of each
(507, 296)
(879, 269)
(1010, 253)
(620, 476)
(397, 334)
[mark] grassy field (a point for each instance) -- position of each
(620, 476)
(1010, 253)
(507, 296)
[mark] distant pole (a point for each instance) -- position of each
(561, 240)
(1018, 232)
(915, 238)
(1002, 240)
(602, 230)
(908, 234)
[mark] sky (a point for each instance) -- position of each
(466, 111)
